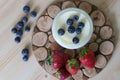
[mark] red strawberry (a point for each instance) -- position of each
(58, 59)
(87, 58)
(62, 74)
(72, 66)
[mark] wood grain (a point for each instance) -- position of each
(11, 65)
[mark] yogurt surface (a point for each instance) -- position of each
(66, 40)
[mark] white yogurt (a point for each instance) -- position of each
(66, 39)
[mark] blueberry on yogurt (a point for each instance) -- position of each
(75, 40)
(81, 25)
(75, 18)
(71, 29)
(78, 30)
(69, 21)
(61, 31)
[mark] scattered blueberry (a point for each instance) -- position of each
(26, 9)
(17, 39)
(61, 31)
(75, 40)
(14, 30)
(76, 18)
(19, 33)
(25, 58)
(24, 19)
(25, 52)
(80, 25)
(69, 22)
(33, 14)
(27, 28)
(71, 29)
(20, 25)
(78, 30)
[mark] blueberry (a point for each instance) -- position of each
(19, 33)
(17, 39)
(61, 31)
(75, 18)
(24, 19)
(25, 58)
(69, 22)
(75, 40)
(14, 30)
(27, 28)
(25, 52)
(33, 14)
(26, 9)
(81, 25)
(20, 25)
(71, 29)
(78, 30)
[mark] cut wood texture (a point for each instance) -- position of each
(44, 23)
(98, 18)
(106, 47)
(68, 4)
(39, 39)
(40, 53)
(89, 72)
(86, 7)
(53, 10)
(100, 61)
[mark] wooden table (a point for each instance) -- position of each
(11, 65)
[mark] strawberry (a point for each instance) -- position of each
(87, 58)
(58, 59)
(62, 74)
(72, 66)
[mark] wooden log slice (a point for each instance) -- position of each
(93, 38)
(106, 32)
(98, 18)
(68, 4)
(93, 46)
(78, 75)
(39, 39)
(40, 53)
(53, 10)
(50, 69)
(44, 23)
(89, 72)
(106, 47)
(86, 7)
(51, 39)
(100, 61)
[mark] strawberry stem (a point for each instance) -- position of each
(57, 74)
(83, 52)
(49, 60)
(73, 62)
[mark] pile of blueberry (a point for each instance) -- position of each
(18, 29)
(25, 53)
(73, 29)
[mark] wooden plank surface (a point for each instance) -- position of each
(11, 65)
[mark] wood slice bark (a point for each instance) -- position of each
(39, 39)
(53, 10)
(44, 23)
(106, 32)
(86, 6)
(98, 18)
(40, 53)
(89, 72)
(68, 4)
(106, 47)
(100, 61)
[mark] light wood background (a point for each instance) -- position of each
(11, 65)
